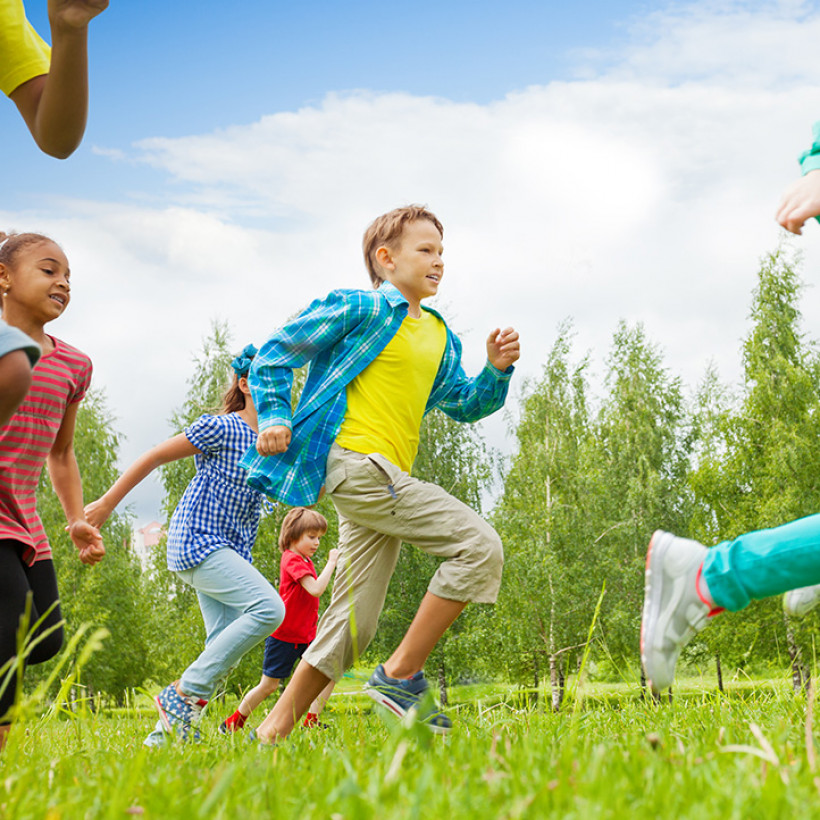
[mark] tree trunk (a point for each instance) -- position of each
(556, 683)
(536, 676)
(719, 671)
(442, 685)
(799, 677)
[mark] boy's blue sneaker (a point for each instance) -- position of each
(179, 713)
(404, 696)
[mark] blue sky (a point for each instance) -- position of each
(179, 68)
(598, 161)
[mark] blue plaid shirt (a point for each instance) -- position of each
(339, 336)
(218, 509)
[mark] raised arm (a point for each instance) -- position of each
(470, 399)
(55, 105)
(316, 586)
(65, 478)
(97, 512)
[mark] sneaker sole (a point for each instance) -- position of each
(398, 711)
(651, 600)
(163, 716)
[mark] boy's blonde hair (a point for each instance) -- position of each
(299, 521)
(387, 230)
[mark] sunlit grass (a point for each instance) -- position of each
(741, 754)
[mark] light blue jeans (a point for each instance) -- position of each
(240, 609)
(763, 563)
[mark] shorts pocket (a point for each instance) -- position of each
(384, 470)
(335, 477)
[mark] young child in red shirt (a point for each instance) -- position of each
(300, 589)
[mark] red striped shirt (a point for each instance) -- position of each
(60, 378)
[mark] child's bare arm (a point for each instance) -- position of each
(801, 201)
(65, 477)
(316, 586)
(97, 512)
(55, 105)
(15, 380)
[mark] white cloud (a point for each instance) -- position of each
(642, 191)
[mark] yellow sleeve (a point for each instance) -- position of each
(23, 53)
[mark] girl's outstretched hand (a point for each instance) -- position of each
(97, 512)
(88, 541)
(503, 348)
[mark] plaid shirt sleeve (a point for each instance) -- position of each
(470, 399)
(318, 327)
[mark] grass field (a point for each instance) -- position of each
(738, 755)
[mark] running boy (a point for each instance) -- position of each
(378, 363)
(300, 589)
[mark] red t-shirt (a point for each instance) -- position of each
(301, 608)
(59, 379)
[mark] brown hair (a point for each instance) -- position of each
(299, 521)
(234, 399)
(387, 230)
(13, 243)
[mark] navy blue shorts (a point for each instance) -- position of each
(280, 657)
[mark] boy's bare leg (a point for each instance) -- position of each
(306, 684)
(266, 686)
(432, 620)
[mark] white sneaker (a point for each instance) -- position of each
(799, 602)
(673, 612)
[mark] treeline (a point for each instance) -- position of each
(593, 476)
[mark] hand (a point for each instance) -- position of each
(800, 202)
(88, 541)
(503, 348)
(273, 440)
(97, 512)
(74, 14)
(333, 557)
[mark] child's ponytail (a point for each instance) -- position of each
(234, 399)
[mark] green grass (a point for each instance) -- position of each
(701, 756)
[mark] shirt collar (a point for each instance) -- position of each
(396, 299)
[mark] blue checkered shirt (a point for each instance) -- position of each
(339, 336)
(218, 508)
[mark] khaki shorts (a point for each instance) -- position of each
(379, 507)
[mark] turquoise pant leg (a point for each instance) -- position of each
(764, 563)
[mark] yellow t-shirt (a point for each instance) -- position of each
(386, 401)
(23, 53)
